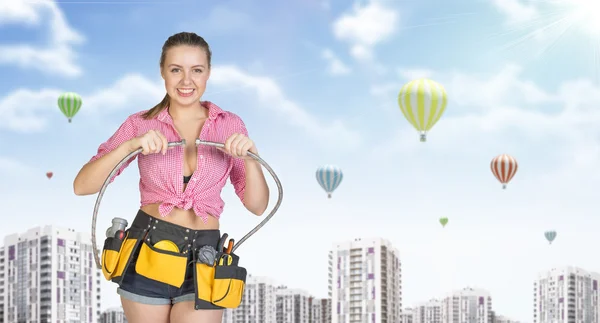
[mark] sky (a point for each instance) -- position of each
(316, 83)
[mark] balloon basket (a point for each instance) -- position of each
(423, 137)
(503, 186)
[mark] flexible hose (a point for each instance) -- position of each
(182, 143)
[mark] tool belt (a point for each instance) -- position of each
(220, 283)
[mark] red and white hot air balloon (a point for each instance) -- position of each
(504, 168)
(49, 175)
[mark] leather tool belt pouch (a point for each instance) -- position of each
(222, 284)
(116, 254)
(165, 266)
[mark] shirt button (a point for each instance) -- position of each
(201, 156)
(194, 179)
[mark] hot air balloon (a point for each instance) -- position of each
(550, 236)
(49, 175)
(504, 168)
(329, 177)
(422, 103)
(69, 104)
(444, 221)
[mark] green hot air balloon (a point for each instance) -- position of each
(444, 221)
(69, 104)
(550, 236)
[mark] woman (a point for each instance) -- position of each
(180, 186)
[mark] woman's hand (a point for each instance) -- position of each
(151, 142)
(238, 146)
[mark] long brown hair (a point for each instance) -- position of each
(183, 38)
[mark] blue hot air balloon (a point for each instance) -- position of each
(550, 236)
(329, 177)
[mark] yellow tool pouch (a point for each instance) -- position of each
(116, 255)
(228, 287)
(222, 285)
(161, 265)
(229, 282)
(205, 277)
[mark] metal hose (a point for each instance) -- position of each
(182, 143)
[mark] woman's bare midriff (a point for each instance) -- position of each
(184, 218)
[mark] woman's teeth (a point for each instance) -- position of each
(185, 92)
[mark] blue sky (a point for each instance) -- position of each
(316, 83)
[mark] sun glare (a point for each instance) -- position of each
(586, 14)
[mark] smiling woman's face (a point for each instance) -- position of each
(186, 71)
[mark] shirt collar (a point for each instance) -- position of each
(213, 112)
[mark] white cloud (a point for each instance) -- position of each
(473, 93)
(415, 73)
(12, 167)
(516, 11)
(365, 27)
(506, 109)
(336, 66)
(128, 90)
(58, 56)
(271, 96)
(28, 111)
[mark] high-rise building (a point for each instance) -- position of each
(113, 315)
(321, 310)
(2, 285)
(566, 295)
(428, 312)
(293, 306)
(467, 305)
(407, 316)
(365, 282)
(258, 302)
(503, 319)
(49, 276)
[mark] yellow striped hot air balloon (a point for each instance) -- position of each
(422, 102)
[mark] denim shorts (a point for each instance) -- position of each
(140, 289)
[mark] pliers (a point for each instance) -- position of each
(224, 258)
(221, 245)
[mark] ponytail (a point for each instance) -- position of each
(157, 108)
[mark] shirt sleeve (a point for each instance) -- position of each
(238, 171)
(125, 132)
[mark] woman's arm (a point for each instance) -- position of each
(92, 175)
(248, 179)
(256, 194)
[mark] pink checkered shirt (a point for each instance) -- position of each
(161, 176)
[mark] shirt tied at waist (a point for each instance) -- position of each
(200, 208)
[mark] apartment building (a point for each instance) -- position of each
(49, 275)
(113, 315)
(321, 310)
(468, 305)
(566, 295)
(365, 282)
(407, 315)
(2, 285)
(293, 306)
(503, 319)
(258, 303)
(428, 312)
